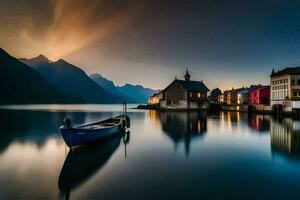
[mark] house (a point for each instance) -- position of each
(231, 96)
(285, 85)
(259, 95)
(214, 95)
(221, 98)
(154, 99)
(183, 94)
(242, 97)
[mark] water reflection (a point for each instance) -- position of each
(24, 126)
(285, 137)
(37, 126)
(82, 164)
(182, 126)
(228, 156)
(259, 123)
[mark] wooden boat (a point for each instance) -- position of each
(87, 133)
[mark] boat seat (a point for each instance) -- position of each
(107, 124)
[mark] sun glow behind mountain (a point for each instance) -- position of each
(75, 24)
(244, 39)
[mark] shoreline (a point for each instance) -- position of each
(293, 113)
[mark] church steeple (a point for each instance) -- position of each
(187, 76)
(273, 72)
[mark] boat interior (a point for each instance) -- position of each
(101, 124)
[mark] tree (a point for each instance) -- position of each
(215, 92)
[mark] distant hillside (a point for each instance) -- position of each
(20, 84)
(132, 93)
(137, 92)
(71, 80)
(103, 82)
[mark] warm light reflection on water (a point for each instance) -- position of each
(167, 155)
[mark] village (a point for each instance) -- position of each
(281, 96)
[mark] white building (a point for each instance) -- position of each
(285, 87)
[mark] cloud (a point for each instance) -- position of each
(59, 27)
(77, 23)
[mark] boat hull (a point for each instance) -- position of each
(80, 136)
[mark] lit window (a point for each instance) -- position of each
(199, 95)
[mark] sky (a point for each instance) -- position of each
(225, 43)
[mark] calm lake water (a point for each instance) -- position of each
(168, 155)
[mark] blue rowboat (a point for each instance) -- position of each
(87, 133)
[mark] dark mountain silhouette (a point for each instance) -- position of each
(37, 61)
(132, 93)
(72, 80)
(20, 84)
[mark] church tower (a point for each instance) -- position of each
(187, 76)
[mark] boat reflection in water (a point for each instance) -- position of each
(183, 126)
(285, 137)
(82, 164)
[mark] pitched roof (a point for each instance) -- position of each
(259, 88)
(192, 86)
(235, 90)
(288, 70)
(245, 91)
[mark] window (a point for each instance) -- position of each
(298, 81)
(199, 94)
(295, 94)
(191, 94)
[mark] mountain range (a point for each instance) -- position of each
(132, 93)
(71, 80)
(20, 84)
(62, 82)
